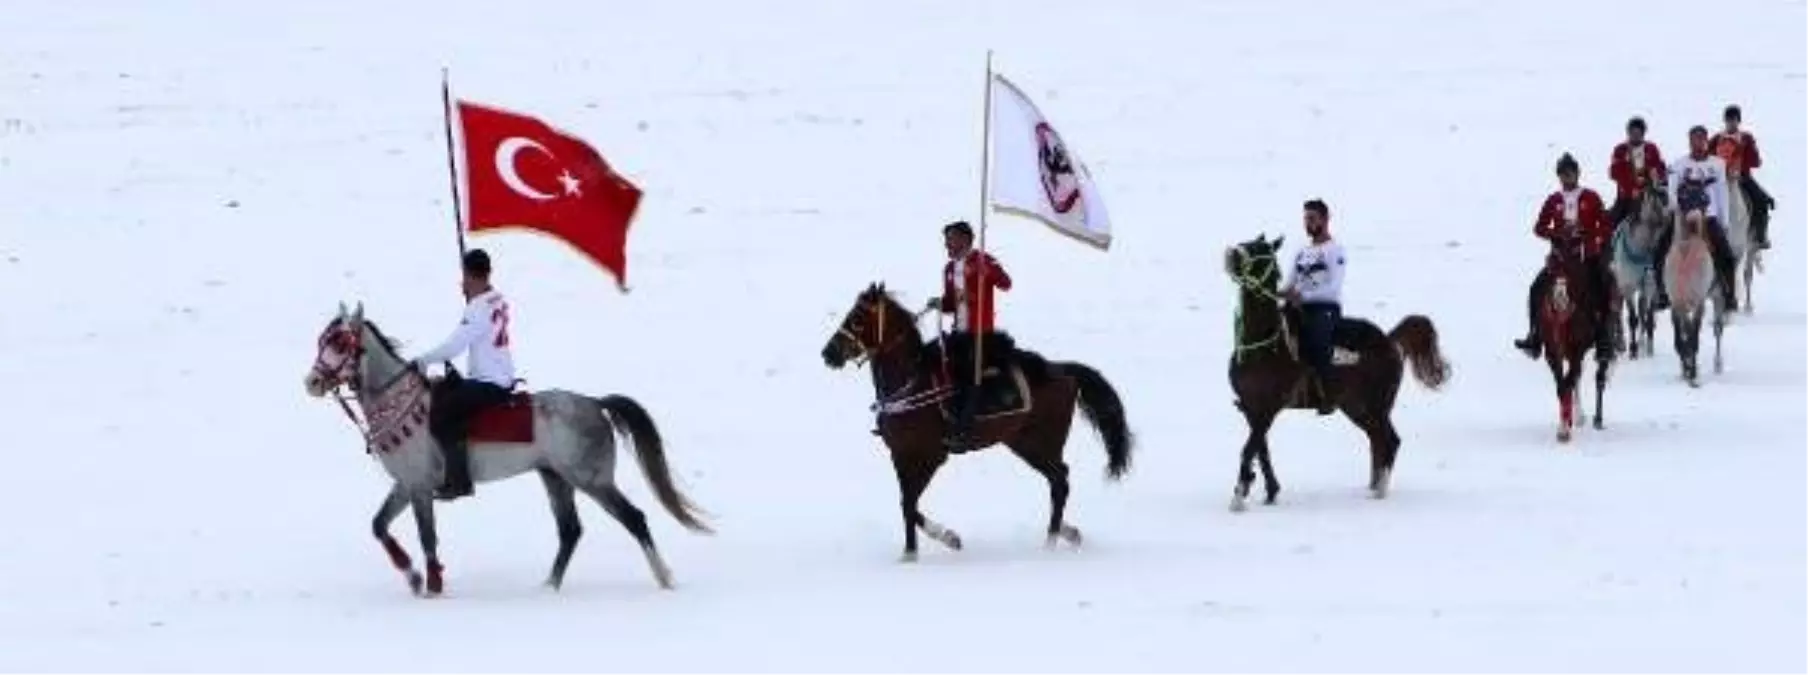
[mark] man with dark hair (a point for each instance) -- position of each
(1739, 150)
(483, 333)
(968, 280)
(1635, 164)
(1315, 285)
(1698, 182)
(1574, 220)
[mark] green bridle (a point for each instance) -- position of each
(1246, 278)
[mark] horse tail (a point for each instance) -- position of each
(1417, 338)
(649, 451)
(1099, 403)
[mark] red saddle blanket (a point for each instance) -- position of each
(512, 422)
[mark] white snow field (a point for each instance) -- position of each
(188, 189)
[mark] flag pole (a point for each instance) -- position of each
(458, 217)
(985, 188)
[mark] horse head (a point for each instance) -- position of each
(873, 326)
(1253, 266)
(341, 351)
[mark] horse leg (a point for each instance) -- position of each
(1601, 364)
(610, 497)
(1555, 361)
(559, 494)
(1271, 486)
(422, 505)
(913, 480)
(1258, 421)
(1632, 322)
(1384, 444)
(1055, 471)
(392, 506)
(1719, 327)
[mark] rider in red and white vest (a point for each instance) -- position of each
(1636, 163)
(1739, 150)
(1573, 219)
(968, 281)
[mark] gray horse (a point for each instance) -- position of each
(573, 449)
(1634, 249)
(1692, 282)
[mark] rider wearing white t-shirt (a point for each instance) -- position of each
(483, 333)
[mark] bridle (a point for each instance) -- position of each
(883, 345)
(1246, 279)
(397, 402)
(902, 398)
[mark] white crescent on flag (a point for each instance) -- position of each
(1036, 174)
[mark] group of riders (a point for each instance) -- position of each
(1572, 218)
(1573, 221)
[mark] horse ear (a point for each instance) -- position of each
(1263, 239)
(1278, 241)
(342, 311)
(358, 312)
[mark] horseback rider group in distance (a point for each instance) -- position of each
(1571, 218)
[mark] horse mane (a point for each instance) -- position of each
(893, 306)
(389, 345)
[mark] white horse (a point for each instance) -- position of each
(1634, 249)
(572, 448)
(1747, 257)
(1692, 283)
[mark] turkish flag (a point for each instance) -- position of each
(521, 173)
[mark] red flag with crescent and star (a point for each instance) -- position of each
(521, 173)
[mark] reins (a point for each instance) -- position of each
(1257, 285)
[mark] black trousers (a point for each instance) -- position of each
(1722, 251)
(1318, 327)
(1759, 204)
(454, 403)
(958, 347)
(1623, 208)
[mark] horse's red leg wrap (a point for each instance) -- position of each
(397, 556)
(435, 579)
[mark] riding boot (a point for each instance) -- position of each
(1760, 204)
(1724, 264)
(1328, 391)
(458, 470)
(1530, 344)
(966, 403)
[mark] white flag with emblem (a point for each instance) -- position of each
(1035, 174)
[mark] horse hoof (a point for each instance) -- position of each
(908, 557)
(1563, 435)
(1237, 505)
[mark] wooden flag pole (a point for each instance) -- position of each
(458, 216)
(985, 188)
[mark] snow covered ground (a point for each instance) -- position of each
(187, 190)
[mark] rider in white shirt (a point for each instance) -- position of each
(1698, 183)
(483, 332)
(1315, 284)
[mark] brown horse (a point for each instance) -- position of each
(1268, 376)
(1568, 330)
(1026, 403)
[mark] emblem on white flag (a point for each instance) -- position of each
(1034, 172)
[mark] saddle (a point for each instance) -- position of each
(1003, 388)
(1345, 345)
(509, 422)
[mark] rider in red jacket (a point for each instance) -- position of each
(968, 281)
(1574, 220)
(1636, 163)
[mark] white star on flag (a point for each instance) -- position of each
(1036, 174)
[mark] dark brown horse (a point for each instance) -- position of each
(1568, 330)
(1268, 376)
(1027, 404)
